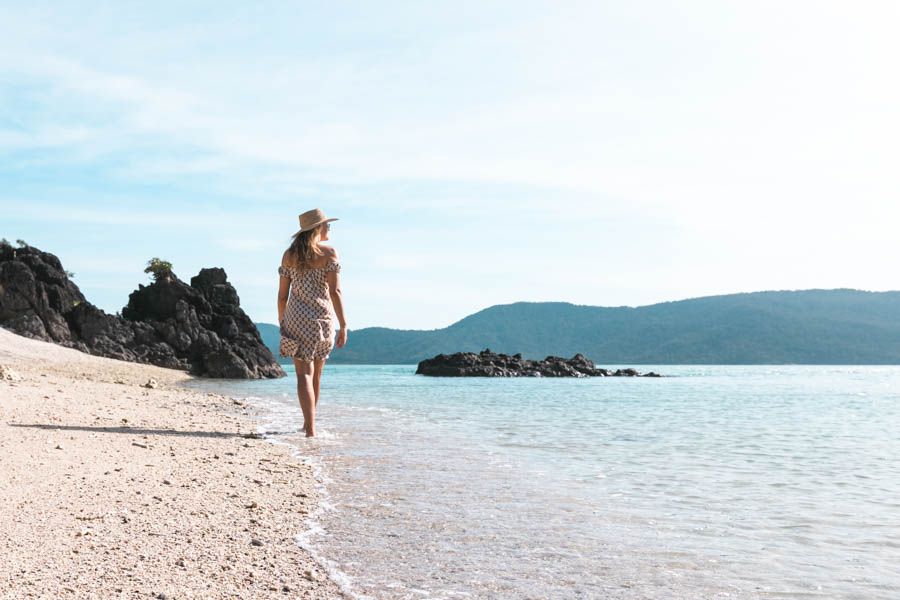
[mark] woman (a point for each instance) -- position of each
(308, 293)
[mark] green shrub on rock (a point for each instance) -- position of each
(159, 268)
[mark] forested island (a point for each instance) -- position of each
(838, 326)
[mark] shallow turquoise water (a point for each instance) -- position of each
(725, 481)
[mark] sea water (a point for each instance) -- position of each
(717, 482)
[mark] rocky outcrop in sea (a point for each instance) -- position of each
(490, 364)
(199, 327)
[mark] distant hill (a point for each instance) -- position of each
(271, 336)
(840, 326)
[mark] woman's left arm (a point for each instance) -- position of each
(284, 288)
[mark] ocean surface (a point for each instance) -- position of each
(719, 482)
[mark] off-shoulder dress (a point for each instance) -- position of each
(307, 327)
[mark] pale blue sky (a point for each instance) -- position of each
(604, 153)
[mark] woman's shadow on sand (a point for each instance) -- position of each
(139, 431)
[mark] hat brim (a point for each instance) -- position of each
(314, 225)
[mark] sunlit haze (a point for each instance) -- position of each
(475, 153)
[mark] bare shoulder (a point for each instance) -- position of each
(286, 258)
(329, 252)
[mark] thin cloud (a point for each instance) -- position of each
(124, 214)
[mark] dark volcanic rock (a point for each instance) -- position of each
(489, 364)
(198, 327)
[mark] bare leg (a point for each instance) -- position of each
(317, 377)
(307, 395)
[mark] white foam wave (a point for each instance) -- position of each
(313, 526)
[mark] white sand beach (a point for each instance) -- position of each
(109, 489)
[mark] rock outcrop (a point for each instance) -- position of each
(490, 364)
(198, 327)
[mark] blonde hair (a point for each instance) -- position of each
(305, 247)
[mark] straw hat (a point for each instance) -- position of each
(312, 219)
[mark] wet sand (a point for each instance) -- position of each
(109, 489)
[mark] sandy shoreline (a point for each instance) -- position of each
(109, 489)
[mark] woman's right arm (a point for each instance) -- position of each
(337, 301)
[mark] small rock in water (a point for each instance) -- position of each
(151, 384)
(490, 364)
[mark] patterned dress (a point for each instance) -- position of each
(307, 330)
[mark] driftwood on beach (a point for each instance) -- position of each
(490, 364)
